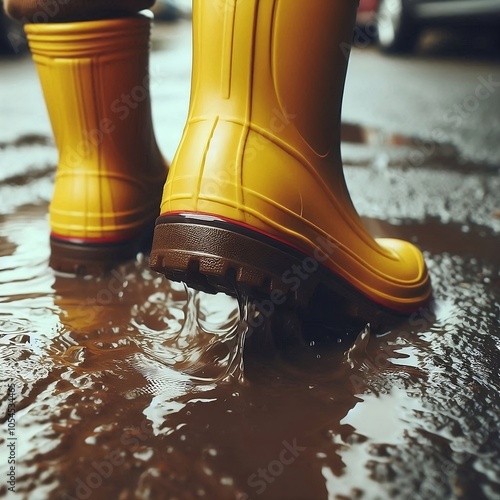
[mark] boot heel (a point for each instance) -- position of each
(216, 255)
(91, 258)
(219, 256)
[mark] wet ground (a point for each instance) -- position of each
(131, 387)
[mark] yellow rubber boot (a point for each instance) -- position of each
(110, 174)
(256, 198)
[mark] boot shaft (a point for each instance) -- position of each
(267, 85)
(95, 80)
(272, 64)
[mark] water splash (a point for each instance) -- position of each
(354, 356)
(205, 351)
(236, 365)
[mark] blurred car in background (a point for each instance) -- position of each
(397, 24)
(367, 11)
(171, 10)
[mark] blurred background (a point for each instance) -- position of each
(399, 25)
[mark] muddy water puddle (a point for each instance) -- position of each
(132, 387)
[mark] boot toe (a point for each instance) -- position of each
(405, 281)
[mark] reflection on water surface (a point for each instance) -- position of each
(133, 387)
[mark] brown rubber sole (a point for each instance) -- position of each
(88, 258)
(214, 255)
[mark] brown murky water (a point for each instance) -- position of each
(131, 387)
